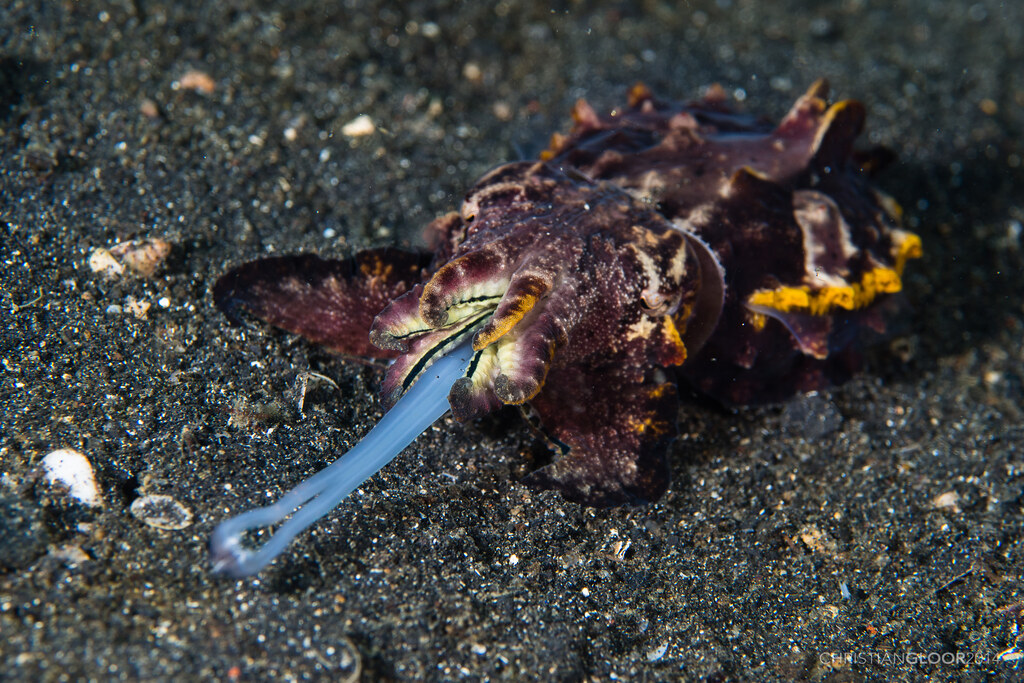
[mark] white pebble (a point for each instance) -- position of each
(358, 127)
(69, 468)
(431, 30)
(949, 500)
(657, 653)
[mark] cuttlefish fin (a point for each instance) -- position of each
(328, 301)
(611, 430)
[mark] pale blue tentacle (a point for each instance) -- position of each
(424, 403)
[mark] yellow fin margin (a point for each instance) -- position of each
(825, 300)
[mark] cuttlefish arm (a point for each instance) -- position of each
(610, 430)
(331, 302)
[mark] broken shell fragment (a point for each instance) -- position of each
(143, 257)
(103, 262)
(162, 512)
(70, 469)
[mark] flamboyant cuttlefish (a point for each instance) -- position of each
(660, 241)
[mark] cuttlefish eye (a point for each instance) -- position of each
(658, 303)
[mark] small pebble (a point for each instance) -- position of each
(198, 81)
(950, 500)
(70, 469)
(472, 72)
(358, 127)
(137, 307)
(657, 653)
(162, 512)
(149, 108)
(502, 111)
(291, 131)
(431, 30)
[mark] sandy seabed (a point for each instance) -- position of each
(872, 532)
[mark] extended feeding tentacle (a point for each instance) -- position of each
(424, 403)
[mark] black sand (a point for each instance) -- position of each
(869, 533)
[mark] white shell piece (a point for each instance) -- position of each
(68, 467)
(162, 512)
